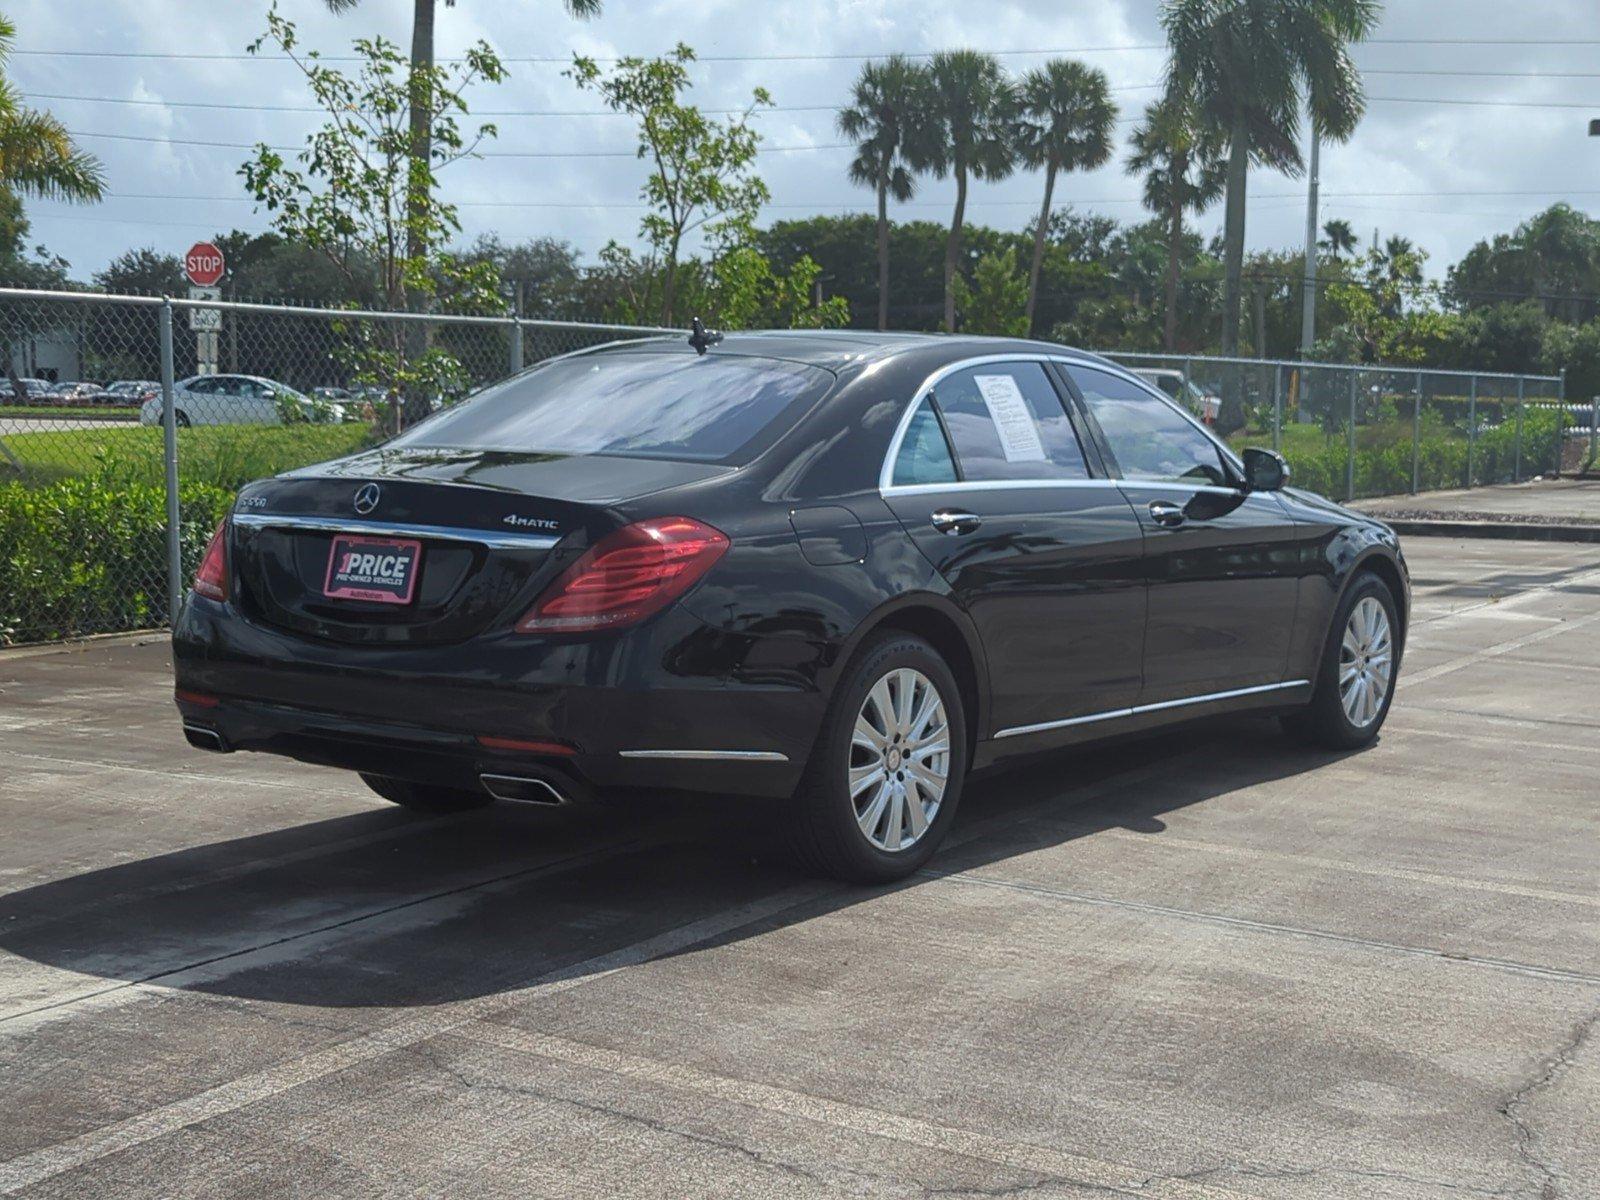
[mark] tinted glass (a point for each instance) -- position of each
(1006, 422)
(924, 454)
(714, 408)
(1148, 437)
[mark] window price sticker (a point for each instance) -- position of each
(1019, 436)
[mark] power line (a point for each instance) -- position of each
(135, 137)
(190, 56)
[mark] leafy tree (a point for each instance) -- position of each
(882, 118)
(1338, 239)
(1554, 258)
(350, 196)
(145, 272)
(41, 269)
(971, 114)
(424, 100)
(542, 272)
(1246, 64)
(996, 301)
(701, 170)
(1066, 123)
(37, 154)
(1183, 172)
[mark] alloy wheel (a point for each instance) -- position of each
(1366, 662)
(899, 759)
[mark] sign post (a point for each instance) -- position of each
(204, 266)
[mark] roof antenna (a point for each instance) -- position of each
(702, 338)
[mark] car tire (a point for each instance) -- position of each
(180, 419)
(873, 836)
(424, 797)
(1341, 718)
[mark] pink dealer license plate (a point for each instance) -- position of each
(370, 568)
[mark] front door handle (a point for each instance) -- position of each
(954, 521)
(1165, 513)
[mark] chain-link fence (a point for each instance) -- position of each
(93, 475)
(108, 493)
(1353, 432)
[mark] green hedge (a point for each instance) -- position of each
(1318, 460)
(79, 557)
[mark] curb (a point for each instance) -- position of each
(133, 637)
(1493, 529)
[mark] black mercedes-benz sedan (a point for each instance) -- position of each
(836, 571)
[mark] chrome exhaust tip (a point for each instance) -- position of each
(525, 789)
(202, 738)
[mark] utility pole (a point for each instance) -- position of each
(1308, 299)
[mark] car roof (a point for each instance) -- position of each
(836, 349)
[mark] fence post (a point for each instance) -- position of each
(1472, 427)
(1416, 439)
(1594, 429)
(1277, 408)
(1516, 468)
(169, 438)
(1561, 429)
(516, 332)
(1350, 444)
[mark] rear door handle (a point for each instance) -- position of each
(954, 521)
(1165, 513)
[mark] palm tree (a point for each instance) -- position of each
(971, 113)
(1246, 63)
(37, 155)
(1183, 172)
(1066, 126)
(1337, 238)
(421, 115)
(882, 118)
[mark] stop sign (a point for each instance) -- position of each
(203, 264)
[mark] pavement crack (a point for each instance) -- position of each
(1513, 1106)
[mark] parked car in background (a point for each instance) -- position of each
(28, 390)
(132, 391)
(238, 400)
(75, 392)
(1178, 386)
(833, 570)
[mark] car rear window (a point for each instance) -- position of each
(711, 408)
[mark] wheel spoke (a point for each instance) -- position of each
(861, 778)
(927, 779)
(905, 686)
(866, 737)
(916, 815)
(927, 711)
(873, 816)
(897, 818)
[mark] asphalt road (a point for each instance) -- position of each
(1202, 965)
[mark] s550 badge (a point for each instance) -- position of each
(530, 522)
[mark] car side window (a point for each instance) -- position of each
(924, 455)
(1006, 421)
(202, 387)
(1148, 437)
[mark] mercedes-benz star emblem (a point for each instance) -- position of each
(367, 497)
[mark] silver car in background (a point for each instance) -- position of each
(238, 400)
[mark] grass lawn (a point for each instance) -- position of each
(226, 455)
(103, 412)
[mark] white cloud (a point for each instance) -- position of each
(1430, 149)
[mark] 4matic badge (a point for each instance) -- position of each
(530, 522)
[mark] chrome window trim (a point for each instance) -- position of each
(493, 538)
(771, 756)
(1141, 709)
(887, 487)
(886, 484)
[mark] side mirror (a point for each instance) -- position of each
(1265, 470)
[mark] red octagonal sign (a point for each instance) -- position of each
(203, 264)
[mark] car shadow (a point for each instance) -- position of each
(384, 909)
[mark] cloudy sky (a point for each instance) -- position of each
(1478, 112)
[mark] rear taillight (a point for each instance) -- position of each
(211, 580)
(626, 576)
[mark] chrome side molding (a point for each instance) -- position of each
(1140, 709)
(771, 756)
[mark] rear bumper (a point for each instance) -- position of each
(658, 708)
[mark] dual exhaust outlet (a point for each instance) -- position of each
(517, 789)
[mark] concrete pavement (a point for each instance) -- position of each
(1207, 964)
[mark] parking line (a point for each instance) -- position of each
(1323, 935)
(1058, 1166)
